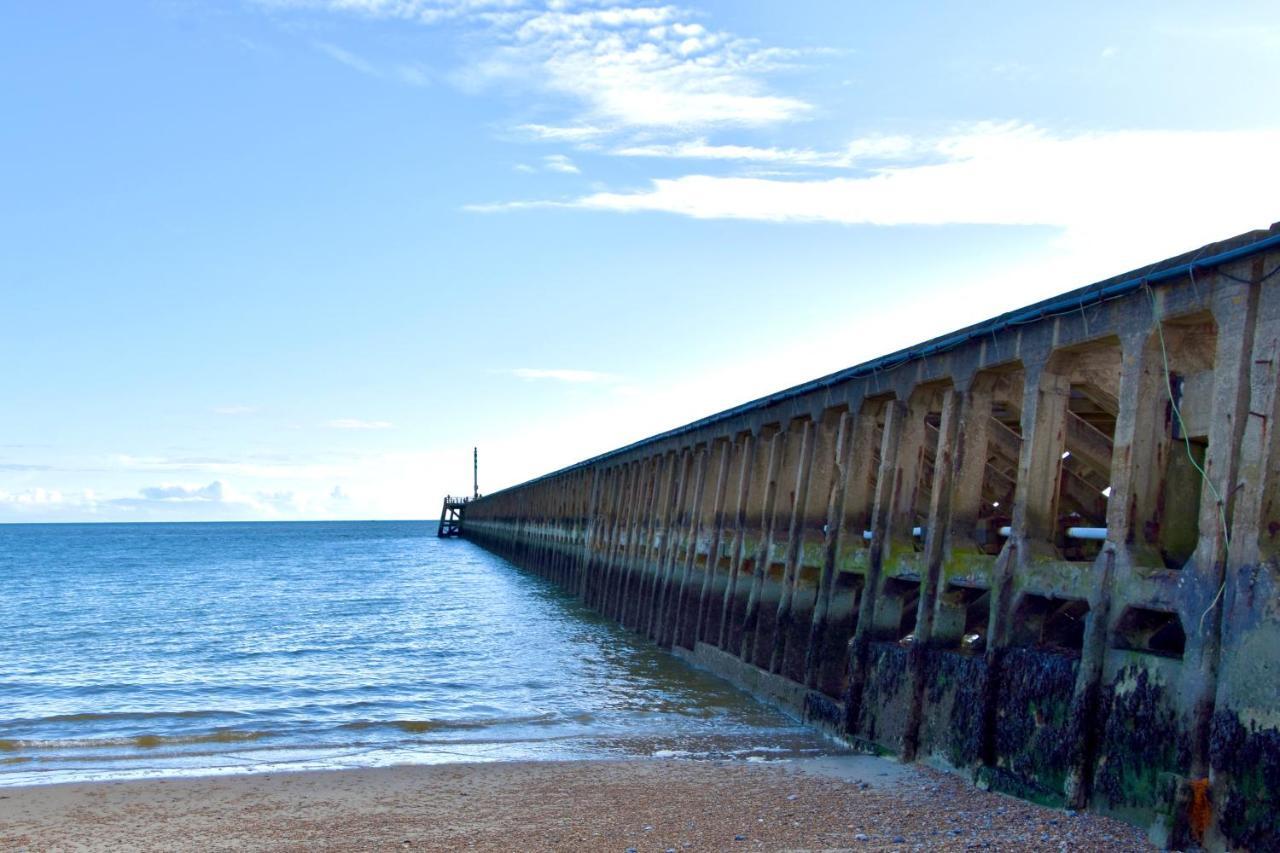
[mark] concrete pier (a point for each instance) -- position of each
(1043, 551)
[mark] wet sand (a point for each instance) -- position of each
(834, 803)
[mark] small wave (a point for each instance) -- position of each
(142, 741)
(424, 726)
(111, 716)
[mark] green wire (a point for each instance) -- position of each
(1186, 439)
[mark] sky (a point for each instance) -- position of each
(293, 259)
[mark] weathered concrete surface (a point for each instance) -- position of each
(1043, 551)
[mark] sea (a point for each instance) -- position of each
(150, 650)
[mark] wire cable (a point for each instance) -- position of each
(1186, 439)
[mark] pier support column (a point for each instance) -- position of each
(674, 601)
(831, 542)
(713, 546)
(1203, 580)
(939, 520)
(748, 452)
(591, 530)
(895, 414)
(1034, 519)
(670, 545)
(1140, 446)
(760, 569)
(795, 542)
(603, 559)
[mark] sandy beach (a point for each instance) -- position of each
(833, 803)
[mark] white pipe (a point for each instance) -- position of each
(917, 532)
(1098, 534)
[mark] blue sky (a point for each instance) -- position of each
(293, 258)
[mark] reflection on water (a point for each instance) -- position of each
(144, 650)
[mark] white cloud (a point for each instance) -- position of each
(347, 58)
(560, 163)
(234, 410)
(562, 375)
(357, 423)
(414, 75)
(643, 67)
(424, 11)
(215, 491)
(858, 152)
(579, 133)
(622, 65)
(36, 497)
(1175, 189)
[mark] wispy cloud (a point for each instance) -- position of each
(560, 163)
(414, 75)
(422, 11)
(550, 133)
(621, 66)
(214, 491)
(556, 375)
(357, 423)
(860, 152)
(1177, 187)
(236, 409)
(347, 58)
(645, 67)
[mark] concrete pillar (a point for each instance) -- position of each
(769, 521)
(795, 540)
(906, 478)
(739, 537)
(674, 527)
(895, 414)
(832, 540)
(939, 520)
(636, 496)
(1044, 435)
(1140, 443)
(604, 557)
(1202, 581)
(674, 601)
(713, 546)
(664, 470)
(1246, 690)
(595, 521)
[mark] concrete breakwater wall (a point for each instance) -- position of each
(1043, 551)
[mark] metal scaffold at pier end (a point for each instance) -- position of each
(451, 516)
(453, 509)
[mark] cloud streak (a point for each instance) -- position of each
(1177, 187)
(623, 66)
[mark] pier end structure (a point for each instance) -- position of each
(1043, 551)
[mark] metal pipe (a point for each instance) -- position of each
(1097, 534)
(917, 532)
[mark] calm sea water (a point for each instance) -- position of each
(170, 649)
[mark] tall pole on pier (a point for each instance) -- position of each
(475, 472)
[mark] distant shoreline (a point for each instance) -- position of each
(645, 804)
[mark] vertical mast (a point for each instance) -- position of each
(475, 472)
